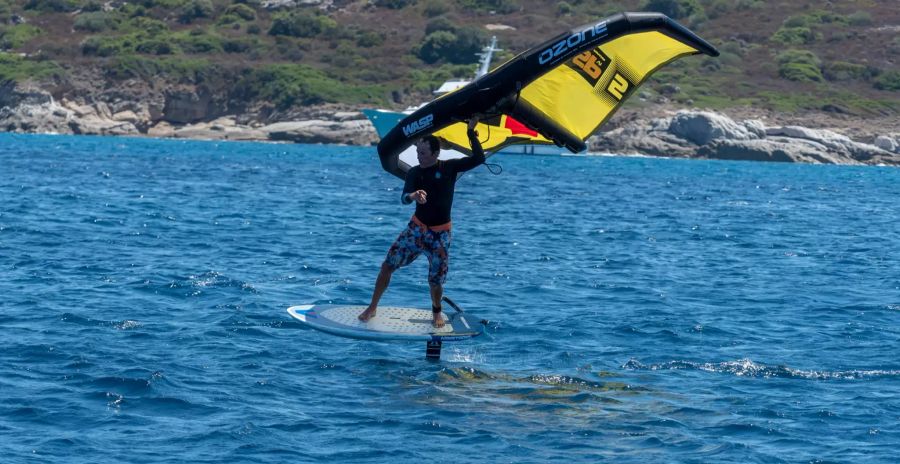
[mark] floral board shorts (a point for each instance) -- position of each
(415, 240)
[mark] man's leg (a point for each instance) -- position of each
(438, 254)
(404, 251)
(437, 292)
(381, 284)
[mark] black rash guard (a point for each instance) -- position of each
(438, 182)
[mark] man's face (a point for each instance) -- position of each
(426, 157)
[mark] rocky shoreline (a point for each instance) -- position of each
(709, 135)
(649, 131)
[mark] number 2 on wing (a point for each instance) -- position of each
(618, 86)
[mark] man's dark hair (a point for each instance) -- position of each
(433, 142)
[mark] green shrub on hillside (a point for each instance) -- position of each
(198, 41)
(816, 18)
(805, 28)
(174, 68)
(436, 46)
(894, 46)
(345, 56)
(288, 84)
(196, 9)
(796, 35)
(301, 24)
(743, 5)
(52, 6)
(394, 4)
(459, 47)
(826, 17)
(132, 11)
(12, 37)
(291, 48)
(17, 68)
(153, 39)
(242, 11)
(147, 26)
(890, 80)
(91, 6)
(719, 8)
(800, 66)
(157, 47)
(98, 21)
(860, 19)
(733, 47)
(368, 39)
(103, 46)
(435, 8)
(164, 4)
(229, 20)
(797, 21)
(441, 23)
(675, 9)
(240, 45)
(843, 71)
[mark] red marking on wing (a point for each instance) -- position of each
(517, 128)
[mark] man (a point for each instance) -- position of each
(430, 185)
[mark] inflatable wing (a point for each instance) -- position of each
(559, 92)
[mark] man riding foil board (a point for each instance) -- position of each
(430, 185)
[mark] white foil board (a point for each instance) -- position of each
(389, 323)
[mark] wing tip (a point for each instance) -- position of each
(654, 20)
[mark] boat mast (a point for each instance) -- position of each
(484, 62)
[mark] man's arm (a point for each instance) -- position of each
(477, 157)
(410, 194)
(408, 188)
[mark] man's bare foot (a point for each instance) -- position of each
(437, 319)
(369, 313)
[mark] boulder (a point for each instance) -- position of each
(888, 143)
(645, 139)
(187, 106)
(711, 135)
(701, 127)
(94, 125)
(220, 129)
(348, 116)
(356, 132)
(127, 116)
(44, 119)
(26, 108)
(30, 109)
(103, 110)
(13, 94)
(834, 142)
(79, 110)
(161, 129)
(755, 127)
(782, 150)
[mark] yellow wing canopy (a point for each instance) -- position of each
(559, 92)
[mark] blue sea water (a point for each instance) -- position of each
(641, 310)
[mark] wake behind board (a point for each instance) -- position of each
(389, 323)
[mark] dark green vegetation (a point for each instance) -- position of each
(782, 55)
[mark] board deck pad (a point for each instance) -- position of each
(389, 323)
